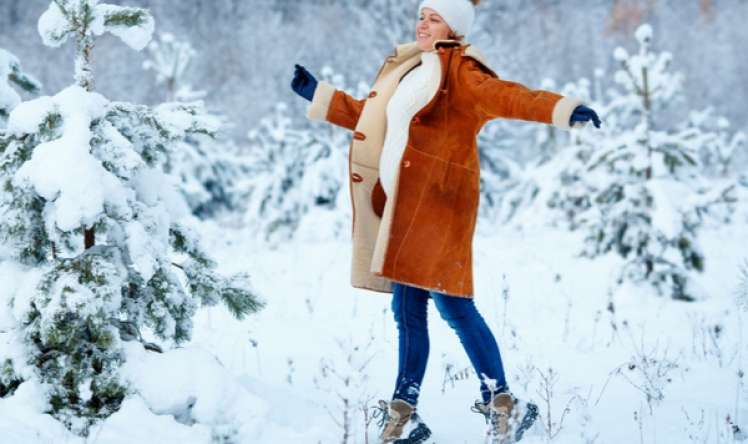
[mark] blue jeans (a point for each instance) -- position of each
(409, 305)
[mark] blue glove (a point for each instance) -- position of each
(584, 114)
(303, 83)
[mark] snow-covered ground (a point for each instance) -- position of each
(598, 367)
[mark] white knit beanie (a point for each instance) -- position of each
(459, 14)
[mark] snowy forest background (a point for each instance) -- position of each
(527, 40)
(625, 243)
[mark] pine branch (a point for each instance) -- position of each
(238, 299)
(24, 81)
(127, 17)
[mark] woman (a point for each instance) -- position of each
(414, 183)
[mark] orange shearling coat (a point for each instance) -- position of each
(422, 235)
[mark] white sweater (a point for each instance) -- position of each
(415, 90)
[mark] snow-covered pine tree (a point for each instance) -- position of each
(11, 75)
(652, 190)
(93, 229)
(295, 170)
(206, 166)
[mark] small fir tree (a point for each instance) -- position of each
(87, 209)
(652, 192)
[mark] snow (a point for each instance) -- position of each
(22, 419)
(120, 150)
(644, 34)
(620, 54)
(136, 37)
(665, 215)
(202, 390)
(179, 120)
(142, 250)
(53, 26)
(153, 188)
(28, 116)
(50, 167)
(16, 291)
(560, 324)
(259, 380)
(118, 428)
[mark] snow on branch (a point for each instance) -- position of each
(88, 18)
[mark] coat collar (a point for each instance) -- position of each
(410, 49)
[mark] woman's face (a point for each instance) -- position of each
(429, 28)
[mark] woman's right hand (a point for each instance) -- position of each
(303, 83)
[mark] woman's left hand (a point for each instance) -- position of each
(303, 83)
(584, 114)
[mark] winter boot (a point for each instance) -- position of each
(507, 416)
(400, 423)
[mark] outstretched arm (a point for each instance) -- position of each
(496, 98)
(334, 106)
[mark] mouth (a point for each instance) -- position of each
(422, 35)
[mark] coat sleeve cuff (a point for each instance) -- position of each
(320, 105)
(562, 113)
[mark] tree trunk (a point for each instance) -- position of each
(89, 238)
(84, 78)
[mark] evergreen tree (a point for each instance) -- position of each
(206, 166)
(12, 75)
(87, 211)
(652, 194)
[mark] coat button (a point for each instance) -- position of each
(358, 135)
(372, 94)
(356, 177)
(406, 163)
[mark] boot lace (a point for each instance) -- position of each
(482, 408)
(380, 412)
